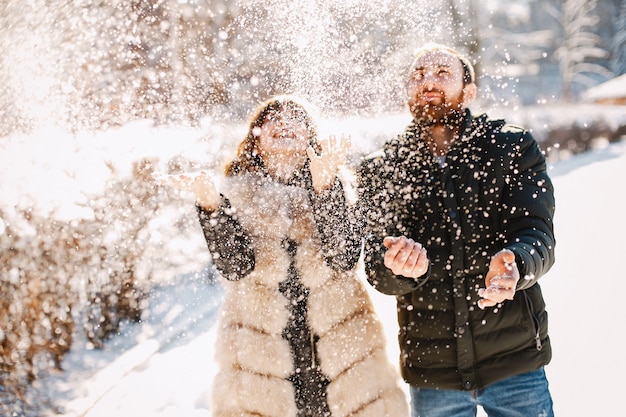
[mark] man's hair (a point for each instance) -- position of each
(469, 76)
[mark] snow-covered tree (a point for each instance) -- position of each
(618, 44)
(581, 47)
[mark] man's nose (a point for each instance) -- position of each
(428, 81)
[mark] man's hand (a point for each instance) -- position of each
(405, 257)
(200, 184)
(324, 166)
(501, 279)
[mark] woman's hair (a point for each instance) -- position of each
(249, 158)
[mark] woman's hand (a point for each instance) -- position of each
(200, 184)
(324, 166)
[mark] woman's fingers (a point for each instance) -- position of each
(185, 181)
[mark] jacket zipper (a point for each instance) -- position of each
(529, 305)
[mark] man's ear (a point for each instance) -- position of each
(469, 93)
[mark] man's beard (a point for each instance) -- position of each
(444, 114)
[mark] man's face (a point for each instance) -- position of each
(435, 88)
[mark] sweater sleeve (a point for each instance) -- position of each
(528, 211)
(338, 226)
(230, 246)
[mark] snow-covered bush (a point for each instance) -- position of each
(578, 138)
(37, 263)
(118, 236)
(88, 275)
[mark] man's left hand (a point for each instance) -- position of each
(501, 279)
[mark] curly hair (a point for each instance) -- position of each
(249, 158)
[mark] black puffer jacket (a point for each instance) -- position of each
(493, 192)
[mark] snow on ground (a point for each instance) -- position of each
(163, 367)
(585, 289)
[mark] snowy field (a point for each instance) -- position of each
(164, 366)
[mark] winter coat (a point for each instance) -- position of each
(298, 335)
(493, 192)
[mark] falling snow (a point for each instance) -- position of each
(163, 366)
(108, 294)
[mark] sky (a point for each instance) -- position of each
(164, 366)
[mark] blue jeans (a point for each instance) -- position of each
(524, 395)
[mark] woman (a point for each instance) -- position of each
(298, 335)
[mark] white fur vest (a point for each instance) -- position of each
(258, 364)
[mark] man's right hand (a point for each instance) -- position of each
(405, 257)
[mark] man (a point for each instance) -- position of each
(458, 217)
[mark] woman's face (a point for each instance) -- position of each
(283, 141)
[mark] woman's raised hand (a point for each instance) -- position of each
(325, 165)
(199, 183)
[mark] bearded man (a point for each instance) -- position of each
(458, 220)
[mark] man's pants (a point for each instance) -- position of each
(525, 395)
